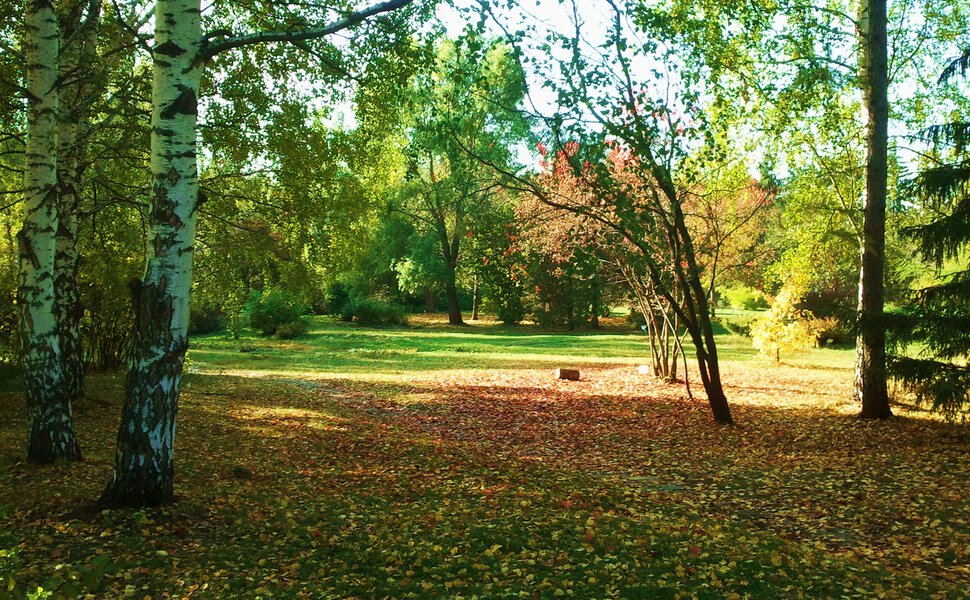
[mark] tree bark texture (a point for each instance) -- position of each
(144, 461)
(76, 67)
(475, 299)
(51, 435)
(451, 291)
(697, 317)
(870, 384)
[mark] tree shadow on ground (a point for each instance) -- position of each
(351, 485)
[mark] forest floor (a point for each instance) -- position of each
(446, 462)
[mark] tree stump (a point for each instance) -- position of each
(569, 374)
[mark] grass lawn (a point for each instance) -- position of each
(438, 462)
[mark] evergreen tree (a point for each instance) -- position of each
(937, 317)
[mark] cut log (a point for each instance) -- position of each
(570, 374)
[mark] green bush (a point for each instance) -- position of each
(738, 325)
(205, 319)
(335, 298)
(635, 319)
(347, 312)
(832, 331)
(293, 329)
(745, 298)
(510, 310)
(367, 311)
(268, 311)
(108, 323)
(9, 340)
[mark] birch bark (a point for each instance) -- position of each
(76, 70)
(144, 460)
(51, 435)
(145, 457)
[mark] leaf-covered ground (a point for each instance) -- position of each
(497, 482)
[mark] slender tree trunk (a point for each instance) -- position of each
(695, 300)
(51, 435)
(68, 308)
(451, 291)
(711, 373)
(144, 461)
(594, 319)
(870, 385)
(429, 303)
(475, 300)
(77, 62)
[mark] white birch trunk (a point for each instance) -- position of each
(144, 461)
(51, 434)
(76, 70)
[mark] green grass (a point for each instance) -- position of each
(334, 347)
(434, 462)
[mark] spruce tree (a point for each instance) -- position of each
(935, 324)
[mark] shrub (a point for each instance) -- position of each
(270, 310)
(635, 319)
(107, 325)
(367, 311)
(9, 338)
(510, 310)
(347, 312)
(335, 298)
(738, 325)
(832, 331)
(293, 329)
(785, 326)
(745, 298)
(205, 319)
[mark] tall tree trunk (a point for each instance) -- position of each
(77, 62)
(144, 461)
(695, 300)
(870, 384)
(475, 299)
(451, 291)
(51, 435)
(594, 319)
(710, 367)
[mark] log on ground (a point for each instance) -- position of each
(570, 374)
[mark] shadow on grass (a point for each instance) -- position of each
(499, 484)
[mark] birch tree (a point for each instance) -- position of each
(76, 68)
(144, 460)
(51, 435)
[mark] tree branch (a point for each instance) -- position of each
(210, 49)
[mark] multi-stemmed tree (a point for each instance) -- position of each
(51, 434)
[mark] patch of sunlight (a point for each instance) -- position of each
(416, 398)
(473, 335)
(543, 358)
(289, 374)
(315, 419)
